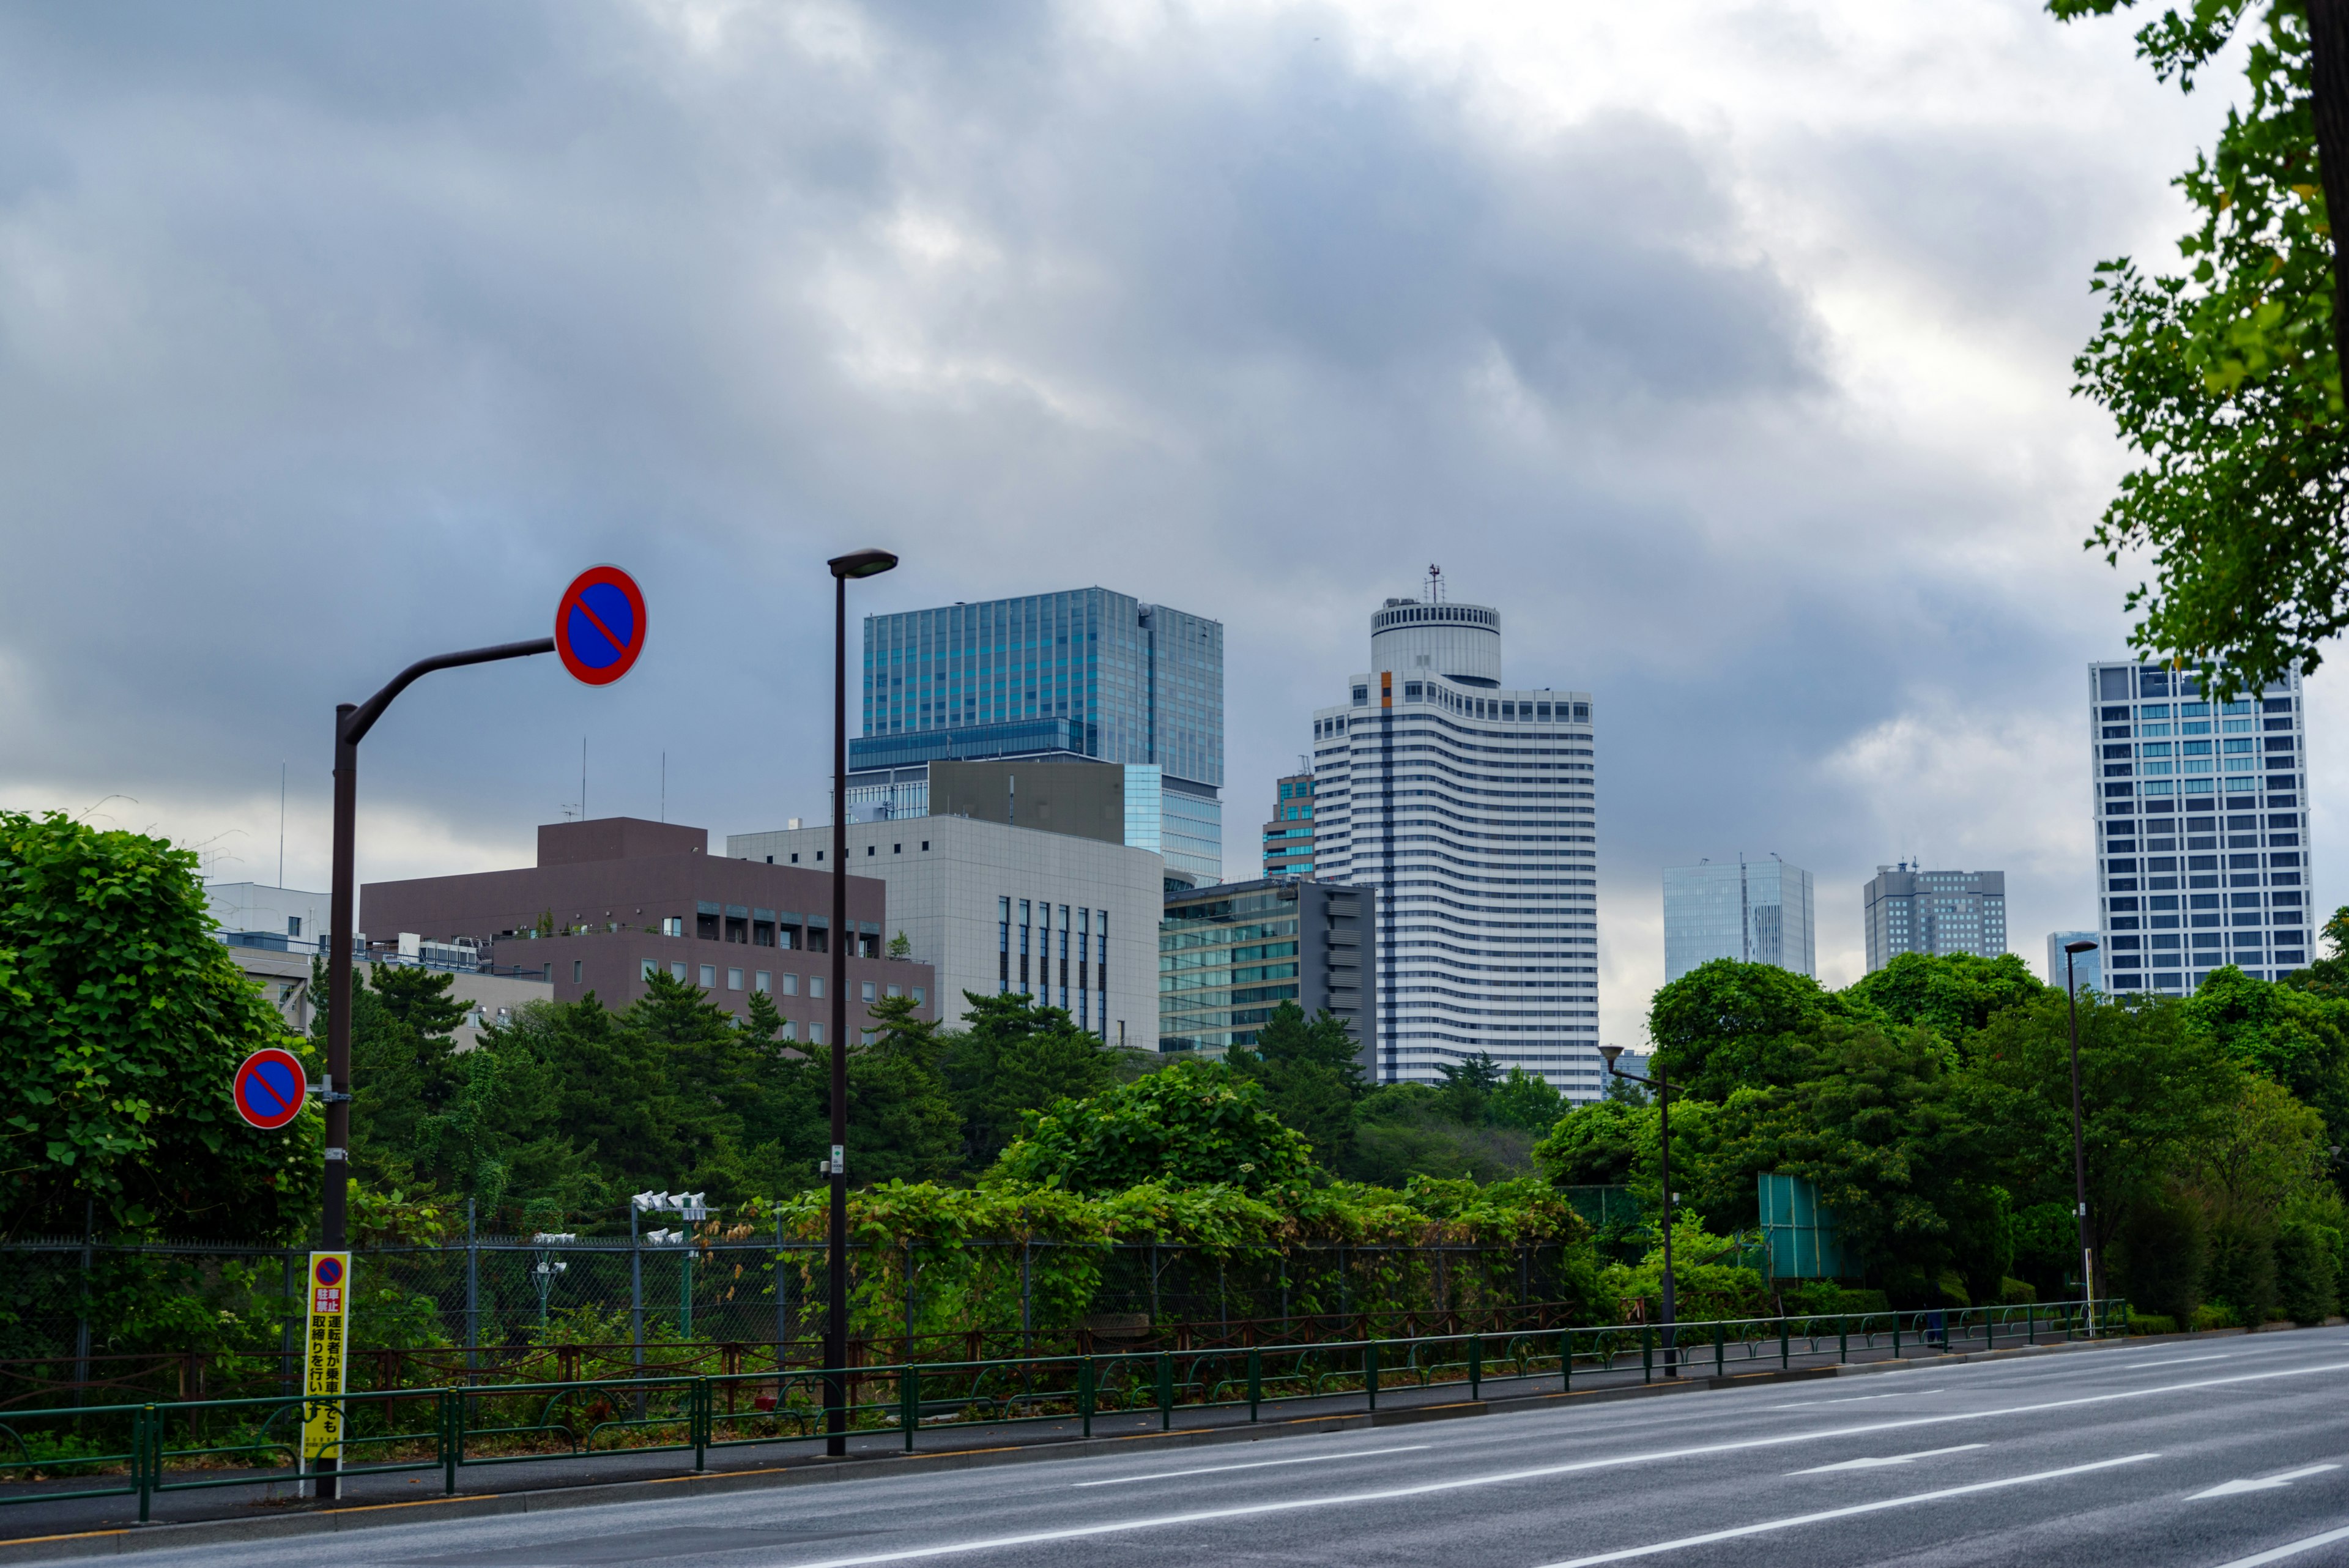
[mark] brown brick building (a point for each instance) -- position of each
(613, 899)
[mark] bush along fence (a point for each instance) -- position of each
(105, 1323)
(145, 1449)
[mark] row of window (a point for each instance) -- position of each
(760, 981)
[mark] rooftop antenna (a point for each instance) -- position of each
(664, 806)
(1435, 584)
(582, 778)
(281, 824)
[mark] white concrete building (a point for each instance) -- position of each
(994, 908)
(1472, 808)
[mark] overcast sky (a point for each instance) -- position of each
(1724, 349)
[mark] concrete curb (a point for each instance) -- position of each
(122, 1538)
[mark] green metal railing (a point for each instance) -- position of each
(187, 1445)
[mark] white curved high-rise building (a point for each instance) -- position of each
(1472, 808)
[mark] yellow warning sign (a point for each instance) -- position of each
(322, 1379)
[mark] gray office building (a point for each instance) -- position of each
(2087, 967)
(1082, 676)
(2202, 854)
(1909, 909)
(1228, 956)
(1754, 911)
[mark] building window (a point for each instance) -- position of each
(868, 991)
(917, 996)
(893, 990)
(709, 977)
(868, 1037)
(790, 1030)
(292, 925)
(733, 979)
(672, 925)
(790, 985)
(795, 859)
(925, 846)
(576, 967)
(676, 971)
(815, 985)
(815, 1033)
(763, 982)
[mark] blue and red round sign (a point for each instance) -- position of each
(599, 626)
(271, 1088)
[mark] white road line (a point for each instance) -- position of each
(2175, 1361)
(1771, 1524)
(2291, 1549)
(2265, 1483)
(1257, 1464)
(1542, 1473)
(1855, 1399)
(1892, 1459)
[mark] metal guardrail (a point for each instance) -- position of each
(190, 1445)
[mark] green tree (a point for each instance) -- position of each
(2329, 975)
(1952, 994)
(1880, 1122)
(1312, 1077)
(1604, 1144)
(1013, 1057)
(1468, 1087)
(122, 1020)
(2225, 378)
(2300, 1038)
(1726, 1024)
(1525, 1101)
(1196, 1124)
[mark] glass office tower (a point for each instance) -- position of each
(1756, 913)
(2203, 854)
(1086, 674)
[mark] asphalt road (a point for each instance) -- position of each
(2231, 1452)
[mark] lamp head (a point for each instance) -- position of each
(862, 563)
(2079, 947)
(1609, 1053)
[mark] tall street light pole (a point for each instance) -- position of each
(861, 563)
(1664, 1118)
(352, 722)
(2079, 1145)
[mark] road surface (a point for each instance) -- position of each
(2219, 1451)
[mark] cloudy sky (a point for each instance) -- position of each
(1724, 349)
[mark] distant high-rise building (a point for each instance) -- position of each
(1084, 675)
(1471, 809)
(2203, 854)
(2087, 968)
(1909, 909)
(1754, 911)
(1288, 837)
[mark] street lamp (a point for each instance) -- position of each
(2079, 1147)
(858, 564)
(1664, 1113)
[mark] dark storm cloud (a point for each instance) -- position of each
(332, 336)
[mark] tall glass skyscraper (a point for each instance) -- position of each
(1085, 674)
(2203, 854)
(1755, 912)
(1472, 808)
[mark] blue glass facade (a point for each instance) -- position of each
(1086, 673)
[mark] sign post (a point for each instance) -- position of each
(324, 1357)
(270, 1089)
(599, 630)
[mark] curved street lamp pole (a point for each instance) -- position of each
(859, 564)
(2079, 1145)
(1664, 1118)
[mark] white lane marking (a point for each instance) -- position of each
(1613, 1461)
(1257, 1464)
(1890, 1459)
(2290, 1549)
(2175, 1361)
(1855, 1399)
(1825, 1514)
(2265, 1483)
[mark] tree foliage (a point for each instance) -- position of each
(2224, 377)
(122, 1021)
(1197, 1124)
